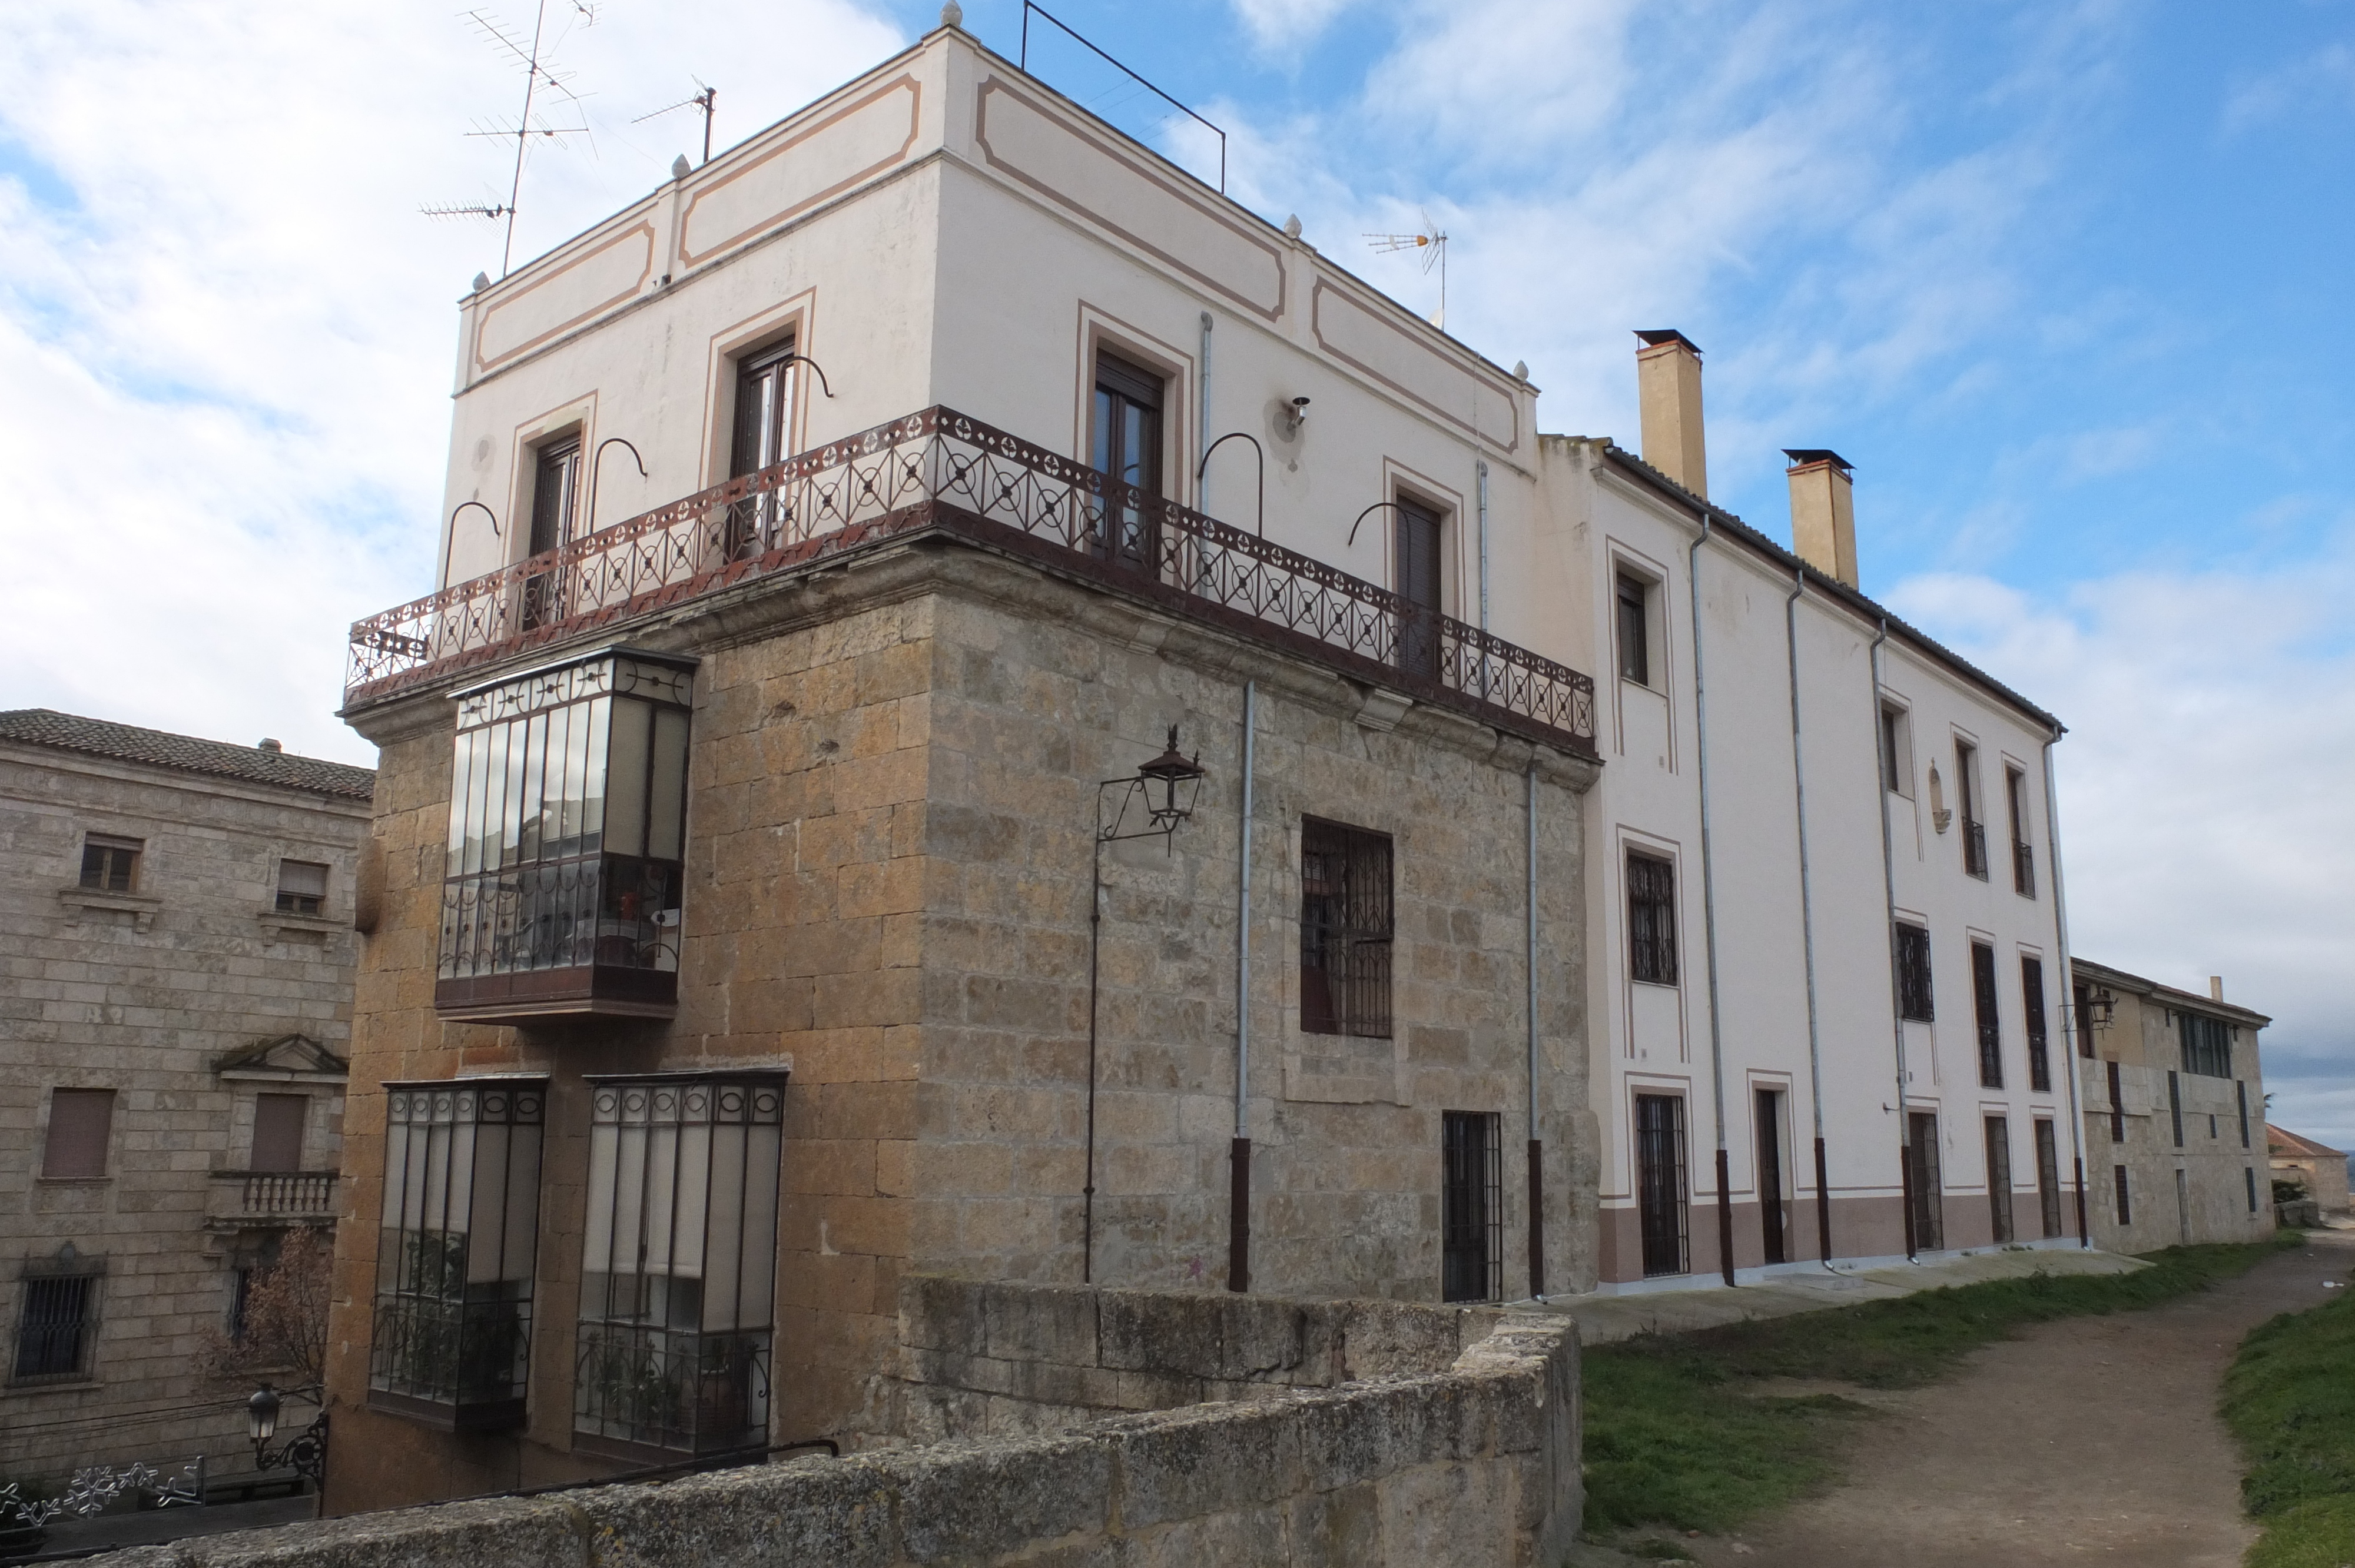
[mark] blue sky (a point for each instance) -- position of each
(2067, 282)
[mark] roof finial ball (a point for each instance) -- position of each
(1292, 226)
(952, 15)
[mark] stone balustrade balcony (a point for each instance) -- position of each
(239, 1199)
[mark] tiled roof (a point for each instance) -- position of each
(45, 726)
(2282, 1140)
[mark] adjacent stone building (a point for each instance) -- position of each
(175, 1009)
(2314, 1165)
(2174, 1098)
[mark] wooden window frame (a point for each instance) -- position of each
(111, 864)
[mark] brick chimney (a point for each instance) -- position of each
(1668, 386)
(1823, 512)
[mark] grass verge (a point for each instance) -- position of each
(1676, 1434)
(2290, 1399)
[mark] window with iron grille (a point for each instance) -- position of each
(302, 887)
(2117, 1106)
(1929, 1181)
(1634, 631)
(1986, 1010)
(2125, 1207)
(2207, 1044)
(1966, 782)
(2032, 997)
(1346, 924)
(457, 1247)
(2048, 1175)
(568, 816)
(82, 1122)
(57, 1327)
(1913, 994)
(2174, 1105)
(1472, 1205)
(1999, 1175)
(678, 1263)
(109, 865)
(1660, 1203)
(2023, 855)
(1651, 919)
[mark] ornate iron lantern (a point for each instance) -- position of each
(306, 1453)
(1164, 789)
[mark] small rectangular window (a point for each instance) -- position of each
(1346, 924)
(2249, 1173)
(302, 887)
(2207, 1045)
(2048, 1176)
(2117, 1108)
(79, 1123)
(2031, 998)
(278, 1131)
(1651, 919)
(1896, 752)
(2125, 1208)
(1634, 631)
(57, 1327)
(1986, 1014)
(1660, 1184)
(111, 865)
(1914, 999)
(2174, 1105)
(1472, 1205)
(2023, 854)
(1966, 775)
(2241, 1094)
(1999, 1169)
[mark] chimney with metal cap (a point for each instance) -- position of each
(1823, 512)
(1668, 386)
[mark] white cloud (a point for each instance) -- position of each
(225, 335)
(1280, 26)
(2203, 812)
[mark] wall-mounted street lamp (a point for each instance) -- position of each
(306, 1453)
(2100, 1007)
(1158, 798)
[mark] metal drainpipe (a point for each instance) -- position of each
(1536, 1140)
(1896, 990)
(1239, 1153)
(1808, 921)
(1480, 496)
(2068, 987)
(1709, 916)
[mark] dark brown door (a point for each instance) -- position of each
(1417, 577)
(1127, 451)
(1999, 1175)
(765, 415)
(2048, 1177)
(554, 489)
(1772, 1217)
(1660, 1181)
(1922, 1161)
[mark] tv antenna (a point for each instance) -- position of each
(538, 76)
(705, 100)
(1432, 241)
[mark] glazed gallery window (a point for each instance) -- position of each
(1125, 447)
(1345, 923)
(1635, 629)
(1914, 999)
(109, 865)
(455, 1249)
(678, 1263)
(1651, 919)
(80, 1122)
(1986, 1014)
(1471, 1205)
(1660, 1184)
(302, 887)
(57, 1321)
(568, 811)
(2207, 1045)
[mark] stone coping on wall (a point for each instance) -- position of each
(1475, 1463)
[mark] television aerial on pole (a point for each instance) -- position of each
(1431, 242)
(706, 100)
(538, 76)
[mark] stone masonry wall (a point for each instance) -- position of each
(1450, 1459)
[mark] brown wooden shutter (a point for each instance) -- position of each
(78, 1123)
(278, 1131)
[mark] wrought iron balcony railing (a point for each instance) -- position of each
(940, 472)
(1975, 853)
(2023, 869)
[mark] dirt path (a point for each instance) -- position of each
(2091, 1440)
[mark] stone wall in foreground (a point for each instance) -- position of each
(1356, 1434)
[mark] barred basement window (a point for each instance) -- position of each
(1651, 919)
(1472, 1206)
(57, 1321)
(1914, 992)
(302, 887)
(455, 1251)
(2032, 997)
(1987, 1015)
(1345, 923)
(567, 813)
(2207, 1045)
(679, 1268)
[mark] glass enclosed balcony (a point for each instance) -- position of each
(568, 809)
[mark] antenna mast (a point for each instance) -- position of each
(1432, 240)
(535, 73)
(706, 100)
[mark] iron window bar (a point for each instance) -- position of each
(940, 472)
(1974, 850)
(1661, 1207)
(1346, 924)
(1472, 1205)
(2023, 870)
(2040, 1049)
(1917, 1002)
(1651, 919)
(1986, 1016)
